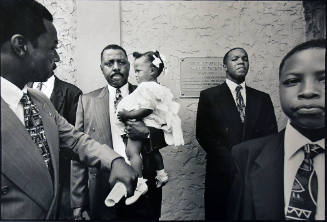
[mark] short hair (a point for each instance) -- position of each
(226, 55)
(23, 17)
(113, 46)
(150, 56)
(316, 43)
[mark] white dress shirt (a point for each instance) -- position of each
(117, 141)
(12, 95)
(232, 87)
(293, 158)
(47, 87)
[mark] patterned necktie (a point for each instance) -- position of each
(304, 192)
(34, 126)
(118, 97)
(240, 102)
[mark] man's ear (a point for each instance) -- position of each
(19, 44)
(225, 67)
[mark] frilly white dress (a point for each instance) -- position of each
(151, 95)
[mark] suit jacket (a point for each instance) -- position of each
(64, 98)
(218, 128)
(27, 190)
(258, 186)
(88, 188)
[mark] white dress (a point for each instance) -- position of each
(151, 95)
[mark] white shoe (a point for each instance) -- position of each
(161, 179)
(141, 188)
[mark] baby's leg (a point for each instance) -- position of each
(133, 151)
(156, 155)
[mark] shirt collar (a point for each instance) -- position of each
(11, 93)
(232, 85)
(124, 90)
(294, 140)
(48, 84)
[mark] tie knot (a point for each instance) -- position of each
(25, 98)
(238, 88)
(39, 86)
(312, 150)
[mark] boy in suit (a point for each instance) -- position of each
(227, 115)
(282, 176)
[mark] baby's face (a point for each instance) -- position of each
(302, 88)
(143, 70)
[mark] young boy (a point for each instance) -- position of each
(282, 176)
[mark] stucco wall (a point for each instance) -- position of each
(178, 29)
(267, 30)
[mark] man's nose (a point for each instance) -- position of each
(116, 66)
(309, 89)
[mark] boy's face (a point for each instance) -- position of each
(302, 88)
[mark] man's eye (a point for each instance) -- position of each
(291, 82)
(322, 78)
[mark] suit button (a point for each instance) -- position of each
(93, 129)
(4, 190)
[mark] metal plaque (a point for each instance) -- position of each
(199, 73)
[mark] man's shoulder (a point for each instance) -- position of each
(213, 90)
(252, 148)
(68, 86)
(95, 93)
(256, 92)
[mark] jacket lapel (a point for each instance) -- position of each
(21, 161)
(57, 96)
(268, 180)
(102, 115)
(252, 110)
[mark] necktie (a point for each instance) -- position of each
(240, 102)
(34, 126)
(304, 192)
(39, 86)
(118, 97)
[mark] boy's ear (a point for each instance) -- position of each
(19, 44)
(154, 72)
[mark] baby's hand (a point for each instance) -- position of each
(123, 115)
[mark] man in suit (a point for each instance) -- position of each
(227, 115)
(95, 116)
(31, 129)
(282, 176)
(64, 97)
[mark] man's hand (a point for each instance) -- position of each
(123, 115)
(137, 130)
(80, 214)
(121, 171)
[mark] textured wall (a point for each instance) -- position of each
(64, 15)
(267, 30)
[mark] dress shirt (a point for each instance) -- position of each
(117, 141)
(232, 87)
(12, 95)
(47, 87)
(293, 158)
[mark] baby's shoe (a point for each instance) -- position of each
(161, 178)
(141, 188)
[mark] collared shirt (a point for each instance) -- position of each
(47, 87)
(293, 158)
(12, 95)
(232, 87)
(117, 140)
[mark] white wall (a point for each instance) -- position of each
(98, 24)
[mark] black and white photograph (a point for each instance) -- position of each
(162, 110)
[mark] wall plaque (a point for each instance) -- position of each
(199, 73)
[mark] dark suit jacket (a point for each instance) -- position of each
(27, 190)
(64, 98)
(218, 128)
(258, 186)
(93, 118)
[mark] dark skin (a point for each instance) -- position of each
(138, 114)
